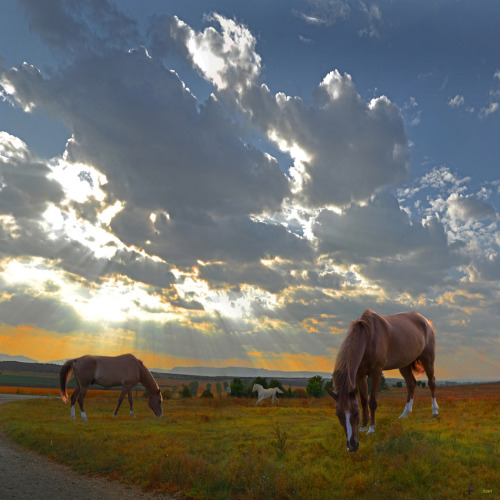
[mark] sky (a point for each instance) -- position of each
(232, 183)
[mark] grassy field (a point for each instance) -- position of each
(228, 448)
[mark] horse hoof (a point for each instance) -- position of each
(403, 415)
(435, 415)
(363, 429)
(370, 431)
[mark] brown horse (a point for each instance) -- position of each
(375, 343)
(109, 371)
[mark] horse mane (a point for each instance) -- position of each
(342, 381)
(147, 379)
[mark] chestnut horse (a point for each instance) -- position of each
(375, 343)
(109, 371)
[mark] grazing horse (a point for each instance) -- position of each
(372, 344)
(109, 371)
(266, 393)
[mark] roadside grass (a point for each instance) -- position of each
(230, 448)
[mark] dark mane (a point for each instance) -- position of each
(342, 382)
(147, 379)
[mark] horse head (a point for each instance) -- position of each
(155, 403)
(255, 387)
(347, 411)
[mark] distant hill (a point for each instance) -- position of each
(22, 359)
(238, 371)
(22, 363)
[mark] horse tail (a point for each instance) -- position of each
(64, 375)
(417, 368)
(279, 390)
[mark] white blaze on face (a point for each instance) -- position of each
(348, 425)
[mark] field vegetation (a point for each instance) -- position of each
(221, 448)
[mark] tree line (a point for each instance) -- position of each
(316, 387)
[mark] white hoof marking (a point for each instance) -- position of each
(371, 430)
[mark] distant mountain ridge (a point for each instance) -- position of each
(22, 359)
(238, 371)
(20, 363)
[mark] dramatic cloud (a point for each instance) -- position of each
(246, 227)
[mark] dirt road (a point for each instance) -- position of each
(28, 476)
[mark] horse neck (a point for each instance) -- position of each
(352, 357)
(146, 379)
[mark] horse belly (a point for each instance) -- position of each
(107, 378)
(402, 353)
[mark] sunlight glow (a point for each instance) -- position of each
(210, 64)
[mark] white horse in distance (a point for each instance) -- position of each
(266, 393)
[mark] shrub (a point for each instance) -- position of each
(218, 389)
(194, 387)
(237, 388)
(276, 383)
(262, 381)
(186, 392)
(299, 393)
(315, 386)
(207, 393)
(167, 394)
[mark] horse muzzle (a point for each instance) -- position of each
(352, 447)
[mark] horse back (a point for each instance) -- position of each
(399, 339)
(108, 371)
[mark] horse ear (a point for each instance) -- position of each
(331, 393)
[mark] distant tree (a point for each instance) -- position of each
(194, 387)
(209, 386)
(237, 388)
(186, 392)
(420, 383)
(398, 384)
(167, 394)
(315, 386)
(218, 389)
(225, 385)
(329, 384)
(288, 392)
(382, 387)
(262, 381)
(207, 393)
(276, 383)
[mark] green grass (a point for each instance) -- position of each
(23, 380)
(229, 448)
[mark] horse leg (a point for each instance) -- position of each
(362, 384)
(410, 388)
(81, 397)
(120, 399)
(376, 378)
(75, 394)
(130, 402)
(431, 380)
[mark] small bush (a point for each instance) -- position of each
(186, 392)
(167, 394)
